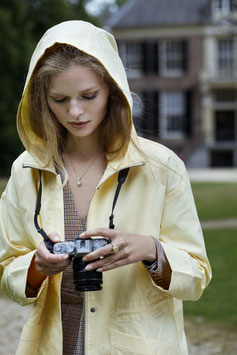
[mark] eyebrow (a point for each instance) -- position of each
(55, 93)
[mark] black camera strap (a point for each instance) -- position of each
(121, 179)
(40, 230)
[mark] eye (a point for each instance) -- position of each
(59, 100)
(90, 96)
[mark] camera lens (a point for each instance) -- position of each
(86, 280)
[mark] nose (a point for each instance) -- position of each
(75, 109)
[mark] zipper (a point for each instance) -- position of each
(86, 323)
(85, 293)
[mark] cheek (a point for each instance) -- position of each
(56, 110)
(103, 107)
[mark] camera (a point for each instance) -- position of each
(77, 248)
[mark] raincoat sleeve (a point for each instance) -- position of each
(182, 240)
(16, 249)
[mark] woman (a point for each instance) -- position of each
(75, 122)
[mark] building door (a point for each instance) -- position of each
(225, 126)
(222, 158)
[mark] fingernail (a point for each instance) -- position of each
(88, 268)
(84, 258)
(99, 269)
(56, 239)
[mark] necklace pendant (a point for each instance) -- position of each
(79, 182)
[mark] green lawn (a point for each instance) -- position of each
(215, 200)
(220, 298)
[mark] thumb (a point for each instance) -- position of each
(54, 237)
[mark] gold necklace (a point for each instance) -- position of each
(79, 182)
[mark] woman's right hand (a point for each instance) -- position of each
(45, 263)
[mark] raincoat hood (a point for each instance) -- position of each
(87, 38)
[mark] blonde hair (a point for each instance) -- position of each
(115, 128)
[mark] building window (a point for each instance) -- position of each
(132, 58)
(225, 96)
(225, 6)
(226, 58)
(172, 58)
(172, 115)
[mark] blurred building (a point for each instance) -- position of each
(181, 60)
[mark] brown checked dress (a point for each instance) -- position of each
(72, 302)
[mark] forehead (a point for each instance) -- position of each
(76, 77)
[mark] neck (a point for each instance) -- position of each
(85, 147)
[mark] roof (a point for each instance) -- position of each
(150, 13)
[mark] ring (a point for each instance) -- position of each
(115, 248)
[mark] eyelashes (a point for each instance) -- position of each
(90, 97)
(59, 101)
(84, 97)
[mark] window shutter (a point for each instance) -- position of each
(156, 57)
(156, 112)
(233, 5)
(148, 119)
(150, 122)
(150, 57)
(185, 55)
(145, 57)
(188, 116)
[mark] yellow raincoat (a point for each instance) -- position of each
(131, 315)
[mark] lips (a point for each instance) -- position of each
(79, 124)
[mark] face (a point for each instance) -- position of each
(79, 98)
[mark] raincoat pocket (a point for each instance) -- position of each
(124, 344)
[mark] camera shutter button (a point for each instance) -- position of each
(57, 247)
(92, 309)
(70, 248)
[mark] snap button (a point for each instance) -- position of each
(92, 309)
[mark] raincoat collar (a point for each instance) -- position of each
(133, 157)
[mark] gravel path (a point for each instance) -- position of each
(230, 223)
(12, 319)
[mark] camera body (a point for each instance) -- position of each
(77, 248)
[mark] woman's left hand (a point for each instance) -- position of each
(131, 248)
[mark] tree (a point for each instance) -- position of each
(22, 23)
(108, 8)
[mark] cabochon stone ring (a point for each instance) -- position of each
(115, 248)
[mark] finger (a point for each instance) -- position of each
(53, 264)
(50, 268)
(54, 237)
(43, 253)
(114, 265)
(102, 262)
(99, 232)
(101, 252)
